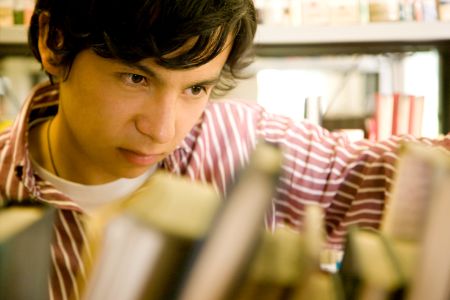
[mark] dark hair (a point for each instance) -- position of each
(133, 30)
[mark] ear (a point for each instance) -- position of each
(50, 61)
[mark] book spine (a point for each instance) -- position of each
(315, 12)
(384, 10)
(6, 13)
(383, 116)
(444, 10)
(237, 229)
(344, 12)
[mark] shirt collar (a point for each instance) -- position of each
(42, 103)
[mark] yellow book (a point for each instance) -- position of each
(143, 245)
(236, 231)
(275, 268)
(408, 257)
(375, 266)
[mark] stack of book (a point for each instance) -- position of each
(407, 258)
(25, 238)
(177, 239)
(397, 114)
(335, 12)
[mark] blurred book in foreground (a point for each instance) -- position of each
(408, 257)
(141, 248)
(235, 234)
(26, 233)
(287, 265)
(174, 239)
(418, 212)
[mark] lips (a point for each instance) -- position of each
(140, 158)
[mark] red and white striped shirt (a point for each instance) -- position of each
(349, 180)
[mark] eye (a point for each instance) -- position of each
(134, 79)
(196, 90)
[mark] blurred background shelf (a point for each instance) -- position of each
(331, 39)
(362, 39)
(13, 40)
(371, 38)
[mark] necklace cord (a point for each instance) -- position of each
(50, 148)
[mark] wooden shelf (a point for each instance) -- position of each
(13, 40)
(358, 33)
(316, 39)
(347, 39)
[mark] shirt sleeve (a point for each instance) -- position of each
(350, 181)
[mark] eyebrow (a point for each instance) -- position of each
(150, 73)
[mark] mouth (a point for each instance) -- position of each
(140, 158)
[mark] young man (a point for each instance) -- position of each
(131, 83)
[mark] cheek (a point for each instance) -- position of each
(113, 106)
(103, 118)
(188, 116)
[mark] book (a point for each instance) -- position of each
(236, 231)
(143, 245)
(432, 277)
(6, 13)
(407, 258)
(419, 172)
(313, 109)
(397, 114)
(320, 285)
(277, 12)
(295, 9)
(315, 12)
(375, 266)
(275, 268)
(407, 10)
(444, 10)
(384, 10)
(430, 10)
(418, 213)
(26, 233)
(286, 265)
(344, 11)
(401, 113)
(416, 109)
(384, 110)
(315, 280)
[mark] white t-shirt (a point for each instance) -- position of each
(92, 197)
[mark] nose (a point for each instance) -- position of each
(158, 118)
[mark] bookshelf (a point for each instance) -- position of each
(370, 38)
(315, 39)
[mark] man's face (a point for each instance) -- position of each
(117, 120)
